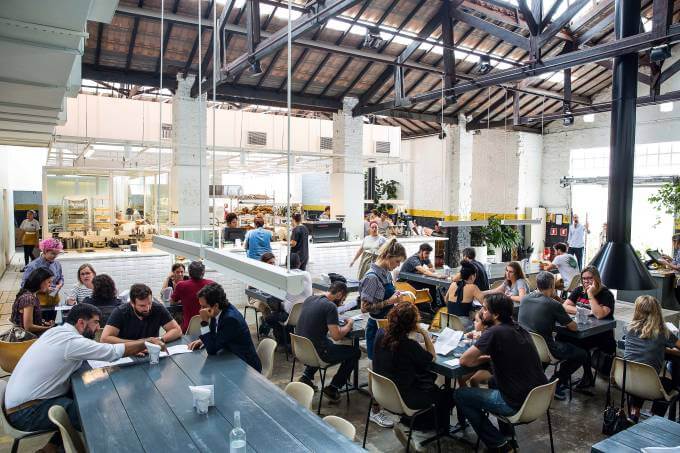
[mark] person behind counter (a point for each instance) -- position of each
(299, 241)
(176, 276)
(258, 241)
(231, 220)
(674, 263)
(326, 214)
(26, 311)
(368, 250)
(30, 228)
(50, 248)
(82, 289)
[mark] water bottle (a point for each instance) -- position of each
(237, 436)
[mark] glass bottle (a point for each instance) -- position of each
(237, 436)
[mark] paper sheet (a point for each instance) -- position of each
(452, 362)
(672, 328)
(177, 349)
(102, 364)
(347, 306)
(448, 341)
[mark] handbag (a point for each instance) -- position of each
(615, 420)
(16, 335)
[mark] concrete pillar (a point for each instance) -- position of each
(347, 177)
(530, 153)
(189, 172)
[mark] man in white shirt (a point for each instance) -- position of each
(41, 379)
(577, 239)
(565, 264)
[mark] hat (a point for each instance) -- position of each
(51, 244)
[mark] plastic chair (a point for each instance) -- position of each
(194, 328)
(342, 426)
(10, 353)
(384, 392)
(575, 283)
(70, 437)
(422, 296)
(302, 393)
(382, 323)
(536, 403)
(265, 351)
(546, 357)
(642, 381)
(11, 431)
(305, 352)
(291, 322)
(251, 305)
(453, 322)
(531, 280)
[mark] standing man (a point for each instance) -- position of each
(299, 241)
(577, 239)
(30, 228)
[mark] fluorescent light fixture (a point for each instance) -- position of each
(589, 118)
(463, 223)
(666, 107)
(522, 222)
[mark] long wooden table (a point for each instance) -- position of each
(148, 408)
(653, 432)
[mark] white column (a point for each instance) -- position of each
(189, 179)
(458, 171)
(347, 177)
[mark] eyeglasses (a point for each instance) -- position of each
(587, 279)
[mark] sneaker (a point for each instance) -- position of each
(382, 419)
(332, 394)
(560, 393)
(305, 380)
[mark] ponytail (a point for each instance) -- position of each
(391, 249)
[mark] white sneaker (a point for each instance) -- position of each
(382, 419)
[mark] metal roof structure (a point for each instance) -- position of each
(546, 60)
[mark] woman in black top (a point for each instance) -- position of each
(402, 359)
(176, 276)
(592, 294)
(462, 293)
(104, 296)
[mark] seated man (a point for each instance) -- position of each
(319, 317)
(538, 312)
(41, 379)
(140, 318)
(516, 366)
(420, 264)
(223, 327)
(566, 265)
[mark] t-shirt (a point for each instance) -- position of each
(539, 313)
(514, 289)
(577, 235)
(372, 244)
(414, 261)
(516, 366)
(80, 292)
(317, 314)
(604, 297)
(186, 292)
(649, 351)
(133, 328)
(567, 266)
(404, 365)
(293, 299)
(300, 235)
(30, 225)
(482, 278)
(23, 301)
(259, 242)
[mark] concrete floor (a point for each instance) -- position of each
(576, 424)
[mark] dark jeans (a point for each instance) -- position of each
(658, 407)
(35, 418)
(371, 332)
(574, 358)
(578, 254)
(475, 403)
(28, 253)
(604, 341)
(333, 353)
(273, 320)
(422, 398)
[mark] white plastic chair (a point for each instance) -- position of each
(290, 322)
(546, 357)
(166, 294)
(384, 392)
(11, 431)
(194, 328)
(265, 351)
(302, 393)
(453, 322)
(642, 381)
(69, 436)
(342, 426)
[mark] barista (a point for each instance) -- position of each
(30, 228)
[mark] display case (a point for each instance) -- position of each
(76, 213)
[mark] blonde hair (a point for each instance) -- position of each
(392, 249)
(647, 318)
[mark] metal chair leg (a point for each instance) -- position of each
(410, 434)
(477, 444)
(323, 380)
(436, 427)
(285, 341)
(368, 418)
(15, 445)
(292, 371)
(257, 327)
(552, 445)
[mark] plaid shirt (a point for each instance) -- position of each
(372, 288)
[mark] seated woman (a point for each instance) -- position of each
(461, 294)
(592, 294)
(83, 288)
(26, 311)
(104, 296)
(401, 359)
(515, 285)
(646, 342)
(176, 276)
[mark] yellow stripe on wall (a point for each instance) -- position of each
(473, 215)
(26, 207)
(313, 207)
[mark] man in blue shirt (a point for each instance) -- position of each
(258, 241)
(223, 327)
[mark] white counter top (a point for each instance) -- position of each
(102, 254)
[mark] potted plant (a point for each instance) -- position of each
(498, 236)
(667, 199)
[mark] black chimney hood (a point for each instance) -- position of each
(619, 265)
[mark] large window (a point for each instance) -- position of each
(652, 159)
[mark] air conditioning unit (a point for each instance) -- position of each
(257, 138)
(382, 147)
(326, 143)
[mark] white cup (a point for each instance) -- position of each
(237, 242)
(154, 352)
(202, 405)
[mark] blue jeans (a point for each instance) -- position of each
(473, 402)
(35, 418)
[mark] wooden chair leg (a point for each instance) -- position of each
(368, 418)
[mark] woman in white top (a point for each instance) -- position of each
(368, 250)
(83, 288)
(515, 285)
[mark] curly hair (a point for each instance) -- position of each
(103, 287)
(401, 320)
(214, 295)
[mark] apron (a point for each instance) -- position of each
(367, 258)
(371, 324)
(30, 238)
